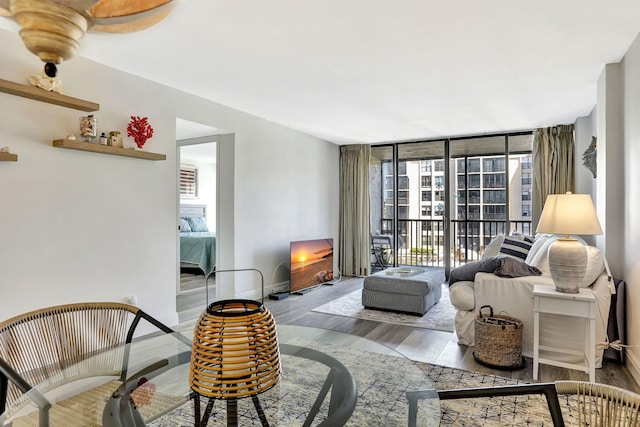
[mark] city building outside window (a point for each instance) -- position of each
(403, 183)
(495, 164)
(494, 180)
(474, 165)
(495, 196)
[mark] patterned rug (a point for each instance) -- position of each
(382, 398)
(439, 317)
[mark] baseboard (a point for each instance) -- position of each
(633, 364)
(279, 287)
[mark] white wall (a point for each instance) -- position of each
(585, 129)
(286, 188)
(617, 186)
(631, 205)
(610, 182)
(78, 226)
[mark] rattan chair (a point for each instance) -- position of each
(601, 405)
(596, 405)
(44, 348)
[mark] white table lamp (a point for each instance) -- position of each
(568, 214)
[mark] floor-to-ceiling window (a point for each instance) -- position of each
(443, 200)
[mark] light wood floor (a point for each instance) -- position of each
(424, 345)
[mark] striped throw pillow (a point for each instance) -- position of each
(515, 248)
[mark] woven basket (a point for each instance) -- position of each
(498, 340)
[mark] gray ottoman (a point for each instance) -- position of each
(412, 294)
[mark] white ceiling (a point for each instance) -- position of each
(199, 149)
(186, 129)
(205, 152)
(370, 71)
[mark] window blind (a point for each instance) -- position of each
(188, 182)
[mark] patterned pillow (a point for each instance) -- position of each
(197, 224)
(519, 235)
(184, 225)
(515, 248)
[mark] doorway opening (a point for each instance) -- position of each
(197, 148)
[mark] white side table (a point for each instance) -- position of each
(583, 305)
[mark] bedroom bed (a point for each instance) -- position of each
(197, 243)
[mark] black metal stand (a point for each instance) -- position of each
(546, 389)
(232, 411)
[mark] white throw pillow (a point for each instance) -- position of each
(595, 266)
(539, 241)
(493, 247)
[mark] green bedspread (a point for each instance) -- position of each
(199, 248)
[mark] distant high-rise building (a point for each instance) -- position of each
(483, 198)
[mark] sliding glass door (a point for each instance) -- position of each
(442, 201)
(491, 178)
(409, 199)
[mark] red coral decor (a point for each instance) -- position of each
(140, 130)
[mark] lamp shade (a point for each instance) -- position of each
(569, 214)
(235, 350)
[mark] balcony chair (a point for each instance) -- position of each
(382, 251)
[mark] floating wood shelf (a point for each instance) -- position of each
(45, 96)
(8, 157)
(106, 149)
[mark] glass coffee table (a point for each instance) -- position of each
(383, 377)
(157, 381)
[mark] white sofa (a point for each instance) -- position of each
(514, 297)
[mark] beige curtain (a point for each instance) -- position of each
(553, 165)
(355, 243)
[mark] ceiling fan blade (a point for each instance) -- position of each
(79, 5)
(133, 21)
(4, 8)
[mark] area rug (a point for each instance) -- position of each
(382, 399)
(439, 317)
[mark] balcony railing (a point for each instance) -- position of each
(421, 241)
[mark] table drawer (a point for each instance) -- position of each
(562, 306)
